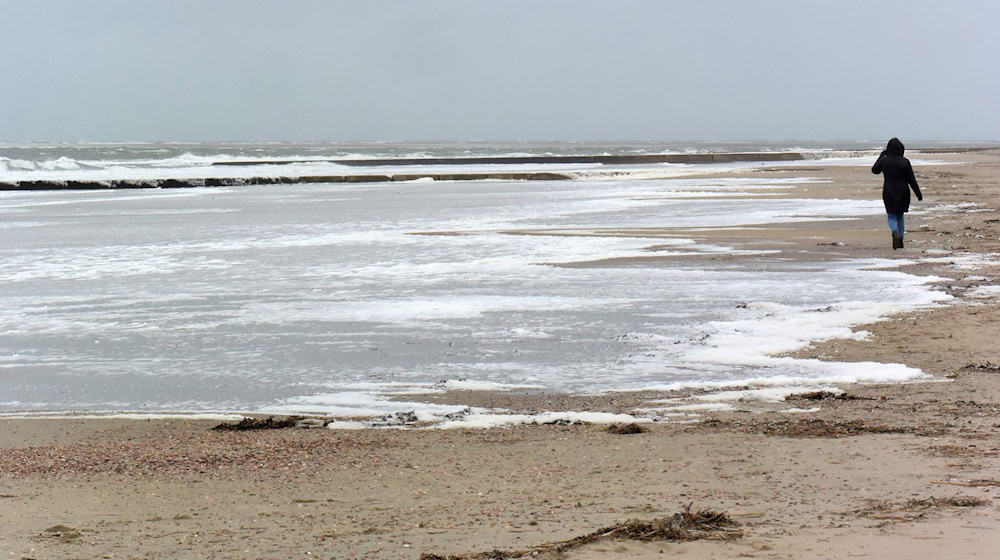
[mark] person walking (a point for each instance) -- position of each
(897, 180)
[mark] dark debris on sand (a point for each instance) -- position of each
(814, 427)
(684, 526)
(269, 423)
(625, 429)
(916, 509)
(825, 396)
(60, 533)
(984, 366)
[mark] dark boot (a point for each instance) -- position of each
(901, 242)
(897, 241)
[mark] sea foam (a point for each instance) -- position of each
(340, 299)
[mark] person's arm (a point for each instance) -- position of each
(912, 180)
(877, 168)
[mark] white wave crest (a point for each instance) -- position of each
(187, 159)
(61, 163)
(9, 164)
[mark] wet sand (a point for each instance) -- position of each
(892, 471)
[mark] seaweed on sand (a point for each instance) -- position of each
(926, 504)
(625, 429)
(60, 533)
(815, 427)
(684, 526)
(913, 510)
(825, 396)
(269, 423)
(977, 482)
(987, 366)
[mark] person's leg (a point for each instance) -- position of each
(894, 223)
(895, 226)
(898, 229)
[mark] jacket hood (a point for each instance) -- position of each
(894, 148)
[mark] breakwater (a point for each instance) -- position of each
(290, 180)
(220, 180)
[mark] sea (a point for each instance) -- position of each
(342, 298)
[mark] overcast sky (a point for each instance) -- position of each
(129, 70)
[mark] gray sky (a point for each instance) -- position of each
(124, 70)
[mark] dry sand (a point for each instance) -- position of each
(898, 471)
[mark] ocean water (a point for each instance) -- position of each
(326, 298)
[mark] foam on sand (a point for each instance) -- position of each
(357, 404)
(772, 329)
(500, 420)
(769, 395)
(691, 407)
(984, 292)
(473, 385)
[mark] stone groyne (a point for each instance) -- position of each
(248, 181)
(223, 181)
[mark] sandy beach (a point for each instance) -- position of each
(878, 471)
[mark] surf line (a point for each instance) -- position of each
(621, 159)
(46, 185)
(175, 183)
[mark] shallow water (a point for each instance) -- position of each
(320, 297)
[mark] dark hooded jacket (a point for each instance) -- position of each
(898, 178)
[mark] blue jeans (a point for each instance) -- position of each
(896, 223)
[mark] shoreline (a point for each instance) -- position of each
(877, 471)
(796, 241)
